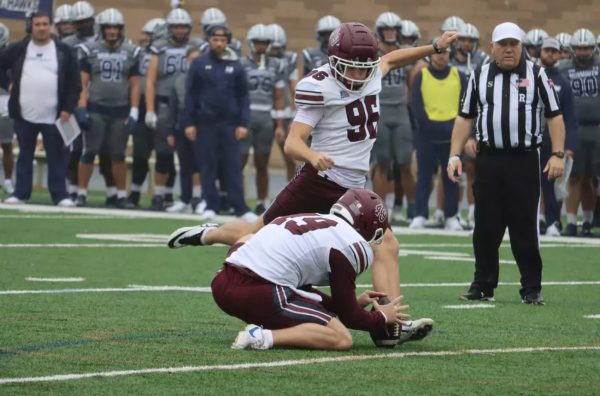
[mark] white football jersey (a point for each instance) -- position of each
(348, 128)
(293, 251)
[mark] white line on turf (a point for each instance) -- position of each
(471, 260)
(81, 245)
(143, 288)
(592, 316)
(132, 288)
(61, 217)
(126, 237)
(469, 306)
(223, 219)
(288, 363)
(73, 279)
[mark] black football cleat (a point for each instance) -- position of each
(477, 295)
(188, 236)
(415, 330)
(533, 298)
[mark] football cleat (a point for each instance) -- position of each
(188, 236)
(250, 338)
(533, 298)
(415, 330)
(477, 295)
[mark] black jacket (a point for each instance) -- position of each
(12, 59)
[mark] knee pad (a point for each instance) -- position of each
(88, 158)
(163, 163)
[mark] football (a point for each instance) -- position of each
(388, 335)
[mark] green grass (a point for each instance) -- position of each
(51, 334)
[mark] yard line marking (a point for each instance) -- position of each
(110, 289)
(82, 245)
(592, 316)
(464, 259)
(62, 217)
(126, 237)
(469, 306)
(74, 279)
(288, 363)
(122, 213)
(432, 253)
(470, 245)
(145, 288)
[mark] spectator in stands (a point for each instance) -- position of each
(40, 64)
(217, 109)
(435, 99)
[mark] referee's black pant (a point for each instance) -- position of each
(507, 194)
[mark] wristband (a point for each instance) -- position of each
(437, 49)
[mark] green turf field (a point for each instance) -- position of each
(143, 309)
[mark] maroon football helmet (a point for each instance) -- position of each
(353, 46)
(365, 211)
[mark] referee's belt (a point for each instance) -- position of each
(486, 148)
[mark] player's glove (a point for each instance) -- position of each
(134, 115)
(151, 120)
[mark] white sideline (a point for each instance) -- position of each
(145, 288)
(288, 363)
(592, 316)
(28, 208)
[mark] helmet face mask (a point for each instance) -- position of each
(353, 55)
(259, 34)
(365, 212)
(112, 25)
(179, 24)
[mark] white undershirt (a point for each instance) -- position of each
(39, 84)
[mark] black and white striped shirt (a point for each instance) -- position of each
(509, 105)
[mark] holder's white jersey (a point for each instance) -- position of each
(294, 250)
(348, 127)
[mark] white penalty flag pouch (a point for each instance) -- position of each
(560, 184)
(68, 130)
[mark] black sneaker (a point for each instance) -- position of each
(586, 230)
(111, 201)
(81, 201)
(134, 198)
(194, 203)
(169, 199)
(260, 209)
(123, 203)
(570, 230)
(73, 196)
(158, 203)
(534, 298)
(477, 295)
(543, 227)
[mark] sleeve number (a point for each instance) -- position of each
(363, 116)
(317, 75)
(111, 70)
(302, 225)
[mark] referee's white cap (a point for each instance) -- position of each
(507, 30)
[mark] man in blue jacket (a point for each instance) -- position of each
(552, 207)
(217, 110)
(40, 64)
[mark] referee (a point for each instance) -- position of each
(506, 99)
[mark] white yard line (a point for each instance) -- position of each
(222, 219)
(82, 245)
(592, 316)
(288, 363)
(131, 288)
(58, 217)
(469, 306)
(74, 279)
(147, 288)
(444, 257)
